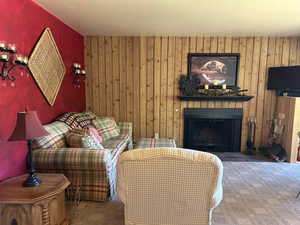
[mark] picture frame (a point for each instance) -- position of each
(214, 69)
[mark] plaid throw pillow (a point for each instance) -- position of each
(69, 119)
(77, 120)
(81, 139)
(90, 130)
(84, 119)
(56, 137)
(106, 127)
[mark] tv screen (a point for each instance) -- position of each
(285, 77)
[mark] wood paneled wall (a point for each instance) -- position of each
(136, 79)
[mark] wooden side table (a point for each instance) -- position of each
(41, 205)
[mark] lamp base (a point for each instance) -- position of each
(32, 181)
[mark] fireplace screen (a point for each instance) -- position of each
(212, 130)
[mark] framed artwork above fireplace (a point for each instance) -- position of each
(214, 69)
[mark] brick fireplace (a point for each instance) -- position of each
(213, 129)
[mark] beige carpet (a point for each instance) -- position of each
(255, 193)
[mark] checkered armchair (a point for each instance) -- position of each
(169, 186)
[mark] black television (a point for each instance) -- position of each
(284, 78)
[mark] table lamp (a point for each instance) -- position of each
(28, 127)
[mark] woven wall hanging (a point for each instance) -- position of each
(47, 66)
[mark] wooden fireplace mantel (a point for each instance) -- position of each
(241, 98)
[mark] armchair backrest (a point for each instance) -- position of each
(169, 186)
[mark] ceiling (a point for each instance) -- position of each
(178, 17)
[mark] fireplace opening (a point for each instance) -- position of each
(213, 130)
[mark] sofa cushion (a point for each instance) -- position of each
(90, 130)
(106, 127)
(77, 120)
(56, 137)
(77, 139)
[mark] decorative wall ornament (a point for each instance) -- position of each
(9, 60)
(214, 69)
(47, 66)
(78, 72)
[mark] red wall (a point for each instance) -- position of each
(22, 23)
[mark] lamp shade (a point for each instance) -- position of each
(28, 127)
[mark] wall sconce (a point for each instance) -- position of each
(8, 61)
(78, 73)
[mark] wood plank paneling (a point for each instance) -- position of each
(157, 77)
(101, 77)
(261, 90)
(150, 87)
(143, 86)
(129, 79)
(136, 88)
(136, 79)
(163, 87)
(87, 62)
(123, 79)
(177, 73)
(170, 86)
(268, 94)
(95, 74)
(116, 77)
(108, 76)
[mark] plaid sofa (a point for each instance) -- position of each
(92, 172)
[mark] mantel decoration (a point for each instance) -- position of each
(78, 72)
(47, 66)
(9, 60)
(189, 86)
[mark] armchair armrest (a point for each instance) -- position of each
(218, 192)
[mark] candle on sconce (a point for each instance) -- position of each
(2, 44)
(215, 82)
(25, 60)
(83, 72)
(9, 60)
(77, 65)
(12, 47)
(19, 59)
(224, 86)
(206, 86)
(4, 57)
(77, 71)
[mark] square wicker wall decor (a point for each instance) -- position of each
(47, 66)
